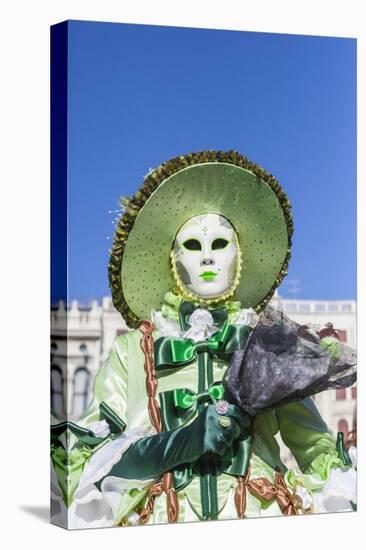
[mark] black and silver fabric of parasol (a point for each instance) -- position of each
(284, 361)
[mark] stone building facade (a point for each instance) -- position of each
(92, 329)
(78, 348)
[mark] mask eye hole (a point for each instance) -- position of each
(192, 244)
(219, 244)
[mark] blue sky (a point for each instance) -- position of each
(139, 95)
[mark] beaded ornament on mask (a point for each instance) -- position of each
(206, 259)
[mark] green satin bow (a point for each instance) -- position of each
(172, 352)
(179, 405)
(186, 309)
(186, 398)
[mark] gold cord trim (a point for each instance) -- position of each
(165, 484)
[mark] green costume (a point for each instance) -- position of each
(114, 478)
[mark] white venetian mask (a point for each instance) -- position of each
(206, 256)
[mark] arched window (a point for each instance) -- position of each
(343, 427)
(340, 394)
(81, 386)
(57, 396)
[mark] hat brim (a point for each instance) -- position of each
(259, 212)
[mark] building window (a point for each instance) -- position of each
(354, 393)
(83, 347)
(319, 307)
(332, 307)
(81, 386)
(346, 307)
(291, 307)
(340, 394)
(57, 396)
(342, 335)
(304, 307)
(343, 426)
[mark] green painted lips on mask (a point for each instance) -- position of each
(208, 275)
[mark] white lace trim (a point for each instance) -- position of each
(100, 428)
(246, 317)
(165, 327)
(338, 493)
(202, 326)
(92, 508)
(107, 456)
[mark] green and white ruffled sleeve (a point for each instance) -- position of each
(324, 473)
(107, 416)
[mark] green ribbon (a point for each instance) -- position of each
(180, 405)
(173, 305)
(172, 352)
(238, 462)
(186, 309)
(115, 423)
(342, 450)
(83, 434)
(186, 398)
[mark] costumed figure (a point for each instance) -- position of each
(185, 413)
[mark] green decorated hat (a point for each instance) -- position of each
(225, 183)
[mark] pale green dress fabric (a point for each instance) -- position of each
(121, 384)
